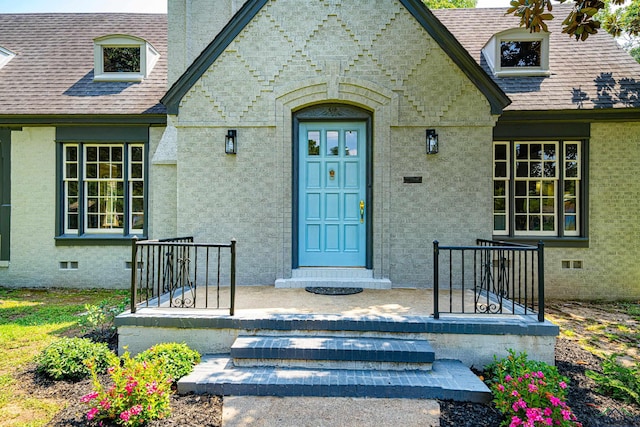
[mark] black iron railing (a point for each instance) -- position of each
(491, 278)
(180, 273)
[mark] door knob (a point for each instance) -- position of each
(361, 211)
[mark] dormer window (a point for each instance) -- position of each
(5, 56)
(517, 52)
(123, 58)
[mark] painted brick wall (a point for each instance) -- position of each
(610, 266)
(290, 57)
(35, 259)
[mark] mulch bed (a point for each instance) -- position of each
(592, 409)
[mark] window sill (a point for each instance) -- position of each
(95, 240)
(549, 242)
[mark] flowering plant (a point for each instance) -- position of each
(530, 393)
(139, 392)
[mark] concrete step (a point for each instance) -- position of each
(449, 379)
(334, 352)
(333, 278)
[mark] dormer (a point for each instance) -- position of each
(5, 56)
(518, 53)
(123, 58)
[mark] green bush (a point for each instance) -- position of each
(178, 359)
(65, 359)
(99, 319)
(617, 381)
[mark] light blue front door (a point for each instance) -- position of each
(332, 211)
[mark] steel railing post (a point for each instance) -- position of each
(134, 268)
(541, 281)
(436, 280)
(233, 277)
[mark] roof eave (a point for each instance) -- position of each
(81, 119)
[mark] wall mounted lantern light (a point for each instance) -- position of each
(432, 141)
(231, 142)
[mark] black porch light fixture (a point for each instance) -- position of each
(231, 142)
(432, 141)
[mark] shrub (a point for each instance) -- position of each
(139, 392)
(99, 319)
(617, 381)
(178, 359)
(529, 393)
(65, 358)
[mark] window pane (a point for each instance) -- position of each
(351, 143)
(91, 170)
(72, 188)
(500, 170)
(549, 169)
(121, 59)
(548, 188)
(521, 151)
(116, 154)
(136, 154)
(521, 188)
(72, 171)
(137, 205)
(71, 153)
(571, 169)
(499, 188)
(549, 151)
(570, 223)
(500, 152)
(534, 205)
(104, 154)
(548, 205)
(499, 223)
(522, 169)
(521, 223)
(534, 223)
(520, 53)
(72, 222)
(136, 171)
(548, 223)
(137, 189)
(521, 205)
(499, 205)
(534, 188)
(137, 221)
(332, 143)
(92, 154)
(314, 143)
(535, 151)
(535, 169)
(571, 151)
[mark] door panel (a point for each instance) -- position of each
(332, 224)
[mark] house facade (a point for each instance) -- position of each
(307, 132)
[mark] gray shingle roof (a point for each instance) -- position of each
(584, 75)
(52, 72)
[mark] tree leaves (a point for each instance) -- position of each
(580, 22)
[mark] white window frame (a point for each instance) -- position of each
(506, 179)
(127, 180)
(148, 57)
(5, 56)
(493, 54)
(559, 181)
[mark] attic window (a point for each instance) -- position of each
(5, 56)
(123, 58)
(517, 52)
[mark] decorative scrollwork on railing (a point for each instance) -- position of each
(488, 308)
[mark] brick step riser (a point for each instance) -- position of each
(333, 364)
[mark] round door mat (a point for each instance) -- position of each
(321, 290)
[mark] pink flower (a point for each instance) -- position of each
(515, 421)
(532, 388)
(515, 393)
(508, 378)
(135, 410)
(519, 404)
(110, 369)
(89, 397)
(548, 421)
(566, 414)
(500, 387)
(152, 387)
(562, 385)
(547, 412)
(105, 404)
(125, 415)
(554, 400)
(92, 413)
(131, 386)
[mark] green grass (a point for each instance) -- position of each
(30, 319)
